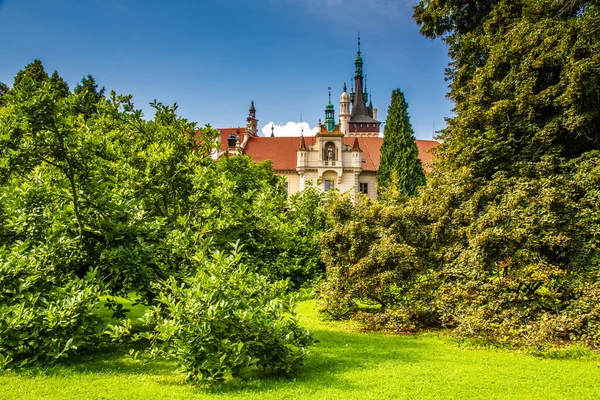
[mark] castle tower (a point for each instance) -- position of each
(362, 121)
(251, 121)
(329, 115)
(344, 111)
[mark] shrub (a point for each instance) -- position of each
(43, 320)
(226, 319)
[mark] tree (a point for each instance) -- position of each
(37, 73)
(59, 85)
(399, 153)
(511, 206)
(524, 79)
(506, 229)
(91, 96)
(34, 70)
(4, 89)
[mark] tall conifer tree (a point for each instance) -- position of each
(35, 70)
(399, 152)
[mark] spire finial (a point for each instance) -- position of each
(329, 88)
(345, 89)
(365, 82)
(359, 42)
(272, 130)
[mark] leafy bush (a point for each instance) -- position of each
(512, 260)
(227, 319)
(373, 266)
(43, 320)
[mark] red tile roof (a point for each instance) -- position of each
(282, 150)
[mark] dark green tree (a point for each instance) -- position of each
(4, 89)
(59, 85)
(399, 154)
(91, 96)
(37, 73)
(34, 70)
(502, 242)
(524, 79)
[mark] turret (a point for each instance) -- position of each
(329, 115)
(251, 121)
(302, 153)
(344, 111)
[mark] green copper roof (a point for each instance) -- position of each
(329, 115)
(359, 62)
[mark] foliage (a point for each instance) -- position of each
(513, 261)
(90, 187)
(374, 269)
(227, 319)
(34, 70)
(3, 91)
(504, 237)
(43, 319)
(524, 79)
(237, 200)
(91, 96)
(399, 153)
(515, 222)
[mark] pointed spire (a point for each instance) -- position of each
(302, 143)
(358, 63)
(329, 114)
(355, 145)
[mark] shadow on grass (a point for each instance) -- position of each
(336, 362)
(109, 360)
(338, 355)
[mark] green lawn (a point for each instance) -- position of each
(344, 365)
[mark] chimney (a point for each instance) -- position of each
(231, 141)
(374, 113)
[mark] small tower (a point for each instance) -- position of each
(251, 121)
(302, 154)
(329, 115)
(344, 111)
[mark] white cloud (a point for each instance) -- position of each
(289, 129)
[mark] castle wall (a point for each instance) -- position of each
(371, 179)
(293, 180)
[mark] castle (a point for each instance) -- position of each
(343, 155)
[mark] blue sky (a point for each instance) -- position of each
(213, 57)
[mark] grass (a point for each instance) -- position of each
(344, 365)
